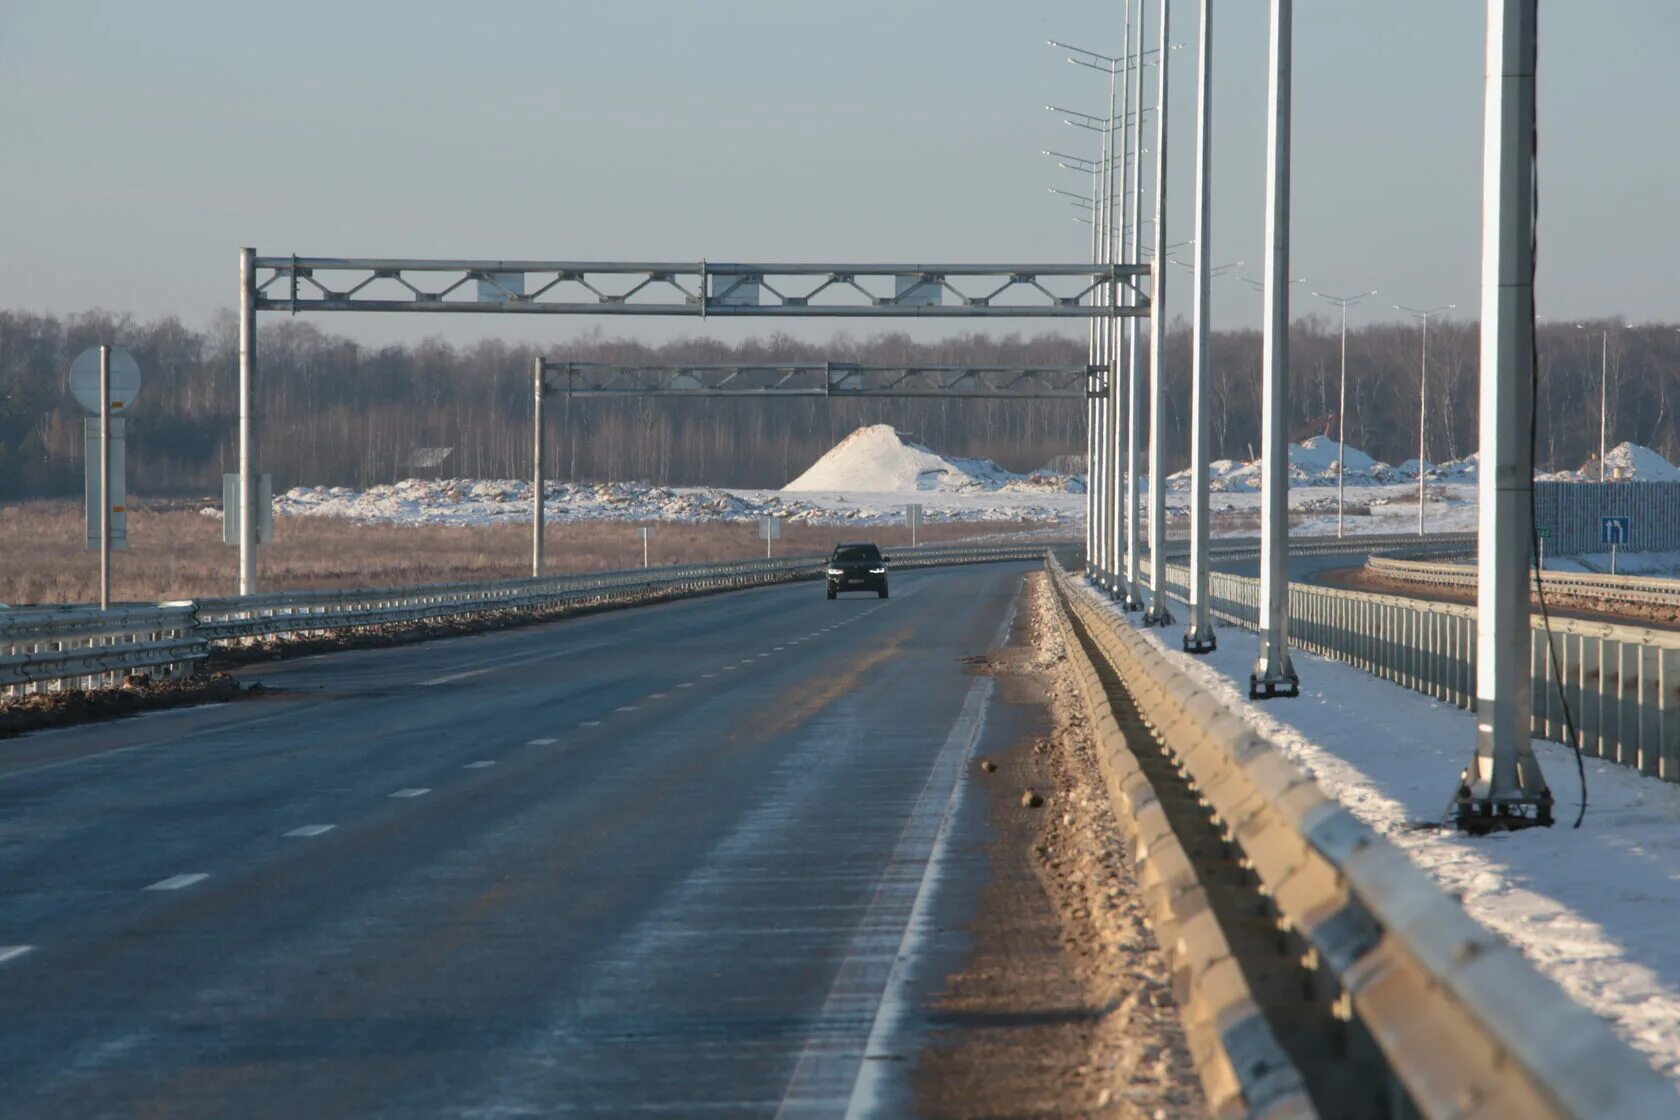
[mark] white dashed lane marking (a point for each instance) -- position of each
(453, 677)
(657, 695)
(707, 676)
(480, 764)
(176, 882)
(411, 793)
(625, 708)
(311, 830)
(590, 723)
(13, 952)
(541, 742)
(686, 684)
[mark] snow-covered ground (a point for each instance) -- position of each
(1595, 909)
(868, 477)
(1661, 564)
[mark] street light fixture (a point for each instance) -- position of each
(1423, 399)
(1343, 302)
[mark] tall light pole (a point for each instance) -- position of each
(1343, 302)
(1423, 397)
(1274, 673)
(1603, 395)
(1198, 635)
(1503, 788)
(1132, 594)
(1097, 440)
(1157, 614)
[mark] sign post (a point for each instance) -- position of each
(913, 518)
(1614, 531)
(646, 532)
(770, 528)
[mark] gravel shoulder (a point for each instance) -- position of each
(1064, 1005)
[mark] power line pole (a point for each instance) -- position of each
(537, 467)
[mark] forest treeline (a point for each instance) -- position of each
(333, 411)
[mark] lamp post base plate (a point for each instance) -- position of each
(1272, 688)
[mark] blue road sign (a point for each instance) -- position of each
(1615, 530)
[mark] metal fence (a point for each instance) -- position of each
(1463, 1023)
(1622, 683)
(51, 648)
(1568, 514)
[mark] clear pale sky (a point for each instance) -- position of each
(143, 143)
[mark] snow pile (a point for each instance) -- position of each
(1626, 462)
(498, 501)
(877, 460)
(1311, 463)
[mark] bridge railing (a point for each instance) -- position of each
(51, 648)
(1645, 590)
(1462, 1022)
(1621, 683)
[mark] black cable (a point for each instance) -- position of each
(1573, 735)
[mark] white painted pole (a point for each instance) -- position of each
(247, 370)
(1604, 407)
(1423, 418)
(536, 467)
(1116, 299)
(1503, 786)
(1134, 388)
(1341, 435)
(1157, 613)
(1199, 636)
(1274, 673)
(105, 495)
(1103, 195)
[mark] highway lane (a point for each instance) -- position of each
(667, 860)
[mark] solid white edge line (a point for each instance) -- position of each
(13, 952)
(176, 882)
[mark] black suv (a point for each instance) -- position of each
(857, 567)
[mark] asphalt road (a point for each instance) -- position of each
(694, 859)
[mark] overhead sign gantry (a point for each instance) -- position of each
(700, 289)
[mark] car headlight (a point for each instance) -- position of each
(835, 572)
(877, 571)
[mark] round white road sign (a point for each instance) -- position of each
(125, 379)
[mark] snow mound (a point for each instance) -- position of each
(877, 460)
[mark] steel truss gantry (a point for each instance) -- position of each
(701, 288)
(825, 379)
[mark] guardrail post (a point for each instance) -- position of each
(1503, 787)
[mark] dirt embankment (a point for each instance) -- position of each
(1064, 1007)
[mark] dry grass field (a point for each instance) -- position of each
(177, 553)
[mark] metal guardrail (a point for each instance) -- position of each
(1431, 1011)
(1621, 683)
(83, 647)
(1576, 585)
